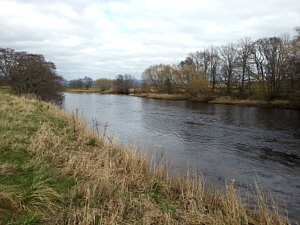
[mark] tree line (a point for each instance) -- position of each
(120, 85)
(266, 68)
(82, 83)
(28, 73)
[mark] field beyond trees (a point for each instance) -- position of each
(55, 170)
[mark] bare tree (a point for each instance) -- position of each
(229, 58)
(123, 83)
(200, 61)
(87, 82)
(77, 83)
(271, 58)
(206, 62)
(293, 65)
(245, 53)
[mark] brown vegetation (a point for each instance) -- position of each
(78, 176)
(90, 90)
(163, 96)
(283, 104)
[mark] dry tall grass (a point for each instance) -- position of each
(114, 184)
(285, 104)
(164, 96)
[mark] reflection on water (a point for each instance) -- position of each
(220, 141)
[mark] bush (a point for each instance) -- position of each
(30, 74)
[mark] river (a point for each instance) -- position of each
(220, 141)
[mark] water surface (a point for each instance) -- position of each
(222, 142)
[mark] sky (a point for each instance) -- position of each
(105, 38)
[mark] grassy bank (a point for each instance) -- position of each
(163, 96)
(283, 104)
(54, 170)
(90, 90)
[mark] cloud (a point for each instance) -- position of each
(107, 38)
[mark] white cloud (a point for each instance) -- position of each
(109, 37)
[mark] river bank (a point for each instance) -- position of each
(76, 90)
(52, 164)
(282, 104)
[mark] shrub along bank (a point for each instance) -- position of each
(54, 170)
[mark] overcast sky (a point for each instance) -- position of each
(104, 38)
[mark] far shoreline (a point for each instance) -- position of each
(280, 104)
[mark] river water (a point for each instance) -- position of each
(220, 141)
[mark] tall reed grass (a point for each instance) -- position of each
(55, 170)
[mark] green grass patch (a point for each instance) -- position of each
(30, 187)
